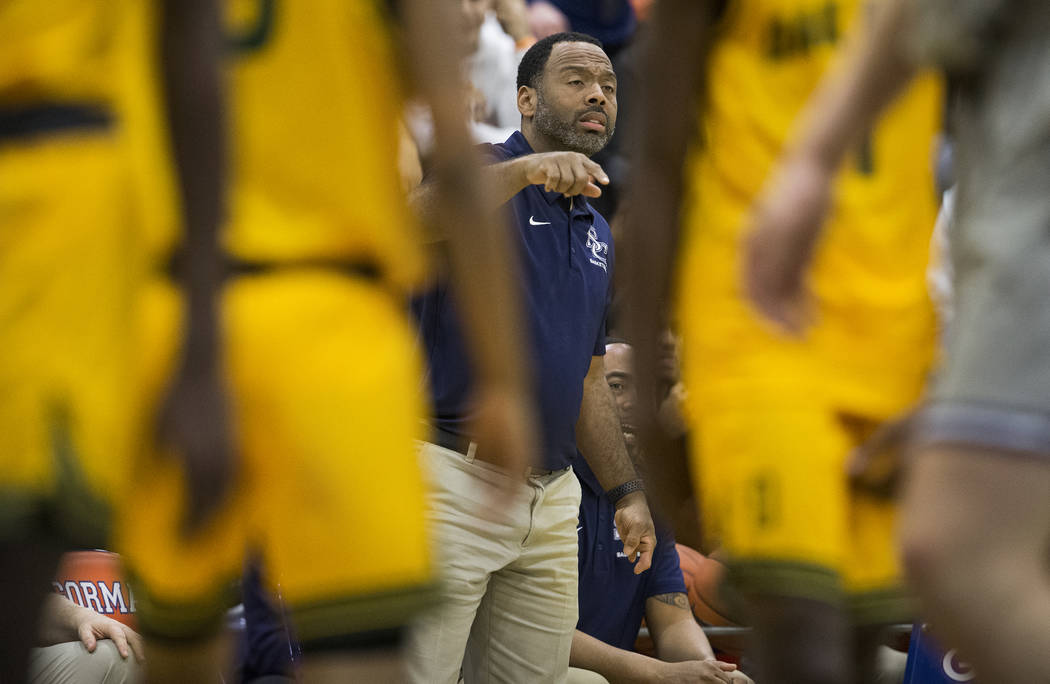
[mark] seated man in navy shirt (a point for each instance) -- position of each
(613, 599)
(509, 590)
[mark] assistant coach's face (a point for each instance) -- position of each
(576, 98)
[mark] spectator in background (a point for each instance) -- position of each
(492, 69)
(613, 599)
(513, 17)
(490, 57)
(610, 21)
(676, 503)
(80, 645)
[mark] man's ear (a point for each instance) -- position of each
(527, 101)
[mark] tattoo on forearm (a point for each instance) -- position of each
(676, 599)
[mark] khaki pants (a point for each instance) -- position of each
(509, 586)
(70, 663)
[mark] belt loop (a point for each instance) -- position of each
(472, 451)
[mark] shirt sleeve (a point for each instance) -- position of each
(666, 569)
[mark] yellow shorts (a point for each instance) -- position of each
(776, 497)
(328, 406)
(66, 248)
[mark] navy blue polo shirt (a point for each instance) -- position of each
(612, 598)
(565, 256)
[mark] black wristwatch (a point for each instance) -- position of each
(618, 492)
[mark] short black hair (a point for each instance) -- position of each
(535, 60)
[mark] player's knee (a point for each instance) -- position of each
(113, 668)
(933, 551)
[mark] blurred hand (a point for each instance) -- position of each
(738, 677)
(91, 627)
(694, 671)
(569, 173)
(669, 414)
(786, 225)
(637, 532)
(877, 465)
(545, 19)
(194, 423)
(477, 104)
(505, 428)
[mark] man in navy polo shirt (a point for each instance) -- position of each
(510, 588)
(613, 599)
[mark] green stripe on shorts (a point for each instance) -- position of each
(354, 614)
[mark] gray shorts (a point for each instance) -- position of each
(994, 389)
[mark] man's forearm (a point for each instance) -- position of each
(497, 185)
(615, 664)
(58, 621)
(850, 100)
(675, 632)
(663, 135)
(683, 641)
(190, 53)
(599, 436)
(458, 206)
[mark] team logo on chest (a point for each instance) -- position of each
(616, 538)
(599, 250)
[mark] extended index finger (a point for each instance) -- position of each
(595, 169)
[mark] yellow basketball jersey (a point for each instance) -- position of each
(874, 333)
(315, 107)
(57, 51)
(145, 131)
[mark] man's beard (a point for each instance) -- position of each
(567, 132)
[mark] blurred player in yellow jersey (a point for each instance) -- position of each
(976, 515)
(777, 416)
(323, 369)
(69, 272)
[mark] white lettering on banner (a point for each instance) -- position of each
(70, 587)
(101, 597)
(91, 596)
(114, 599)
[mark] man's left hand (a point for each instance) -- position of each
(637, 532)
(92, 626)
(787, 223)
(738, 677)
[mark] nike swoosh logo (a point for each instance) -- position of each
(534, 222)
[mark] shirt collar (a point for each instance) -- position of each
(519, 147)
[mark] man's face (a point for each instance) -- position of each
(619, 373)
(576, 98)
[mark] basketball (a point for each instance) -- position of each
(702, 577)
(93, 579)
